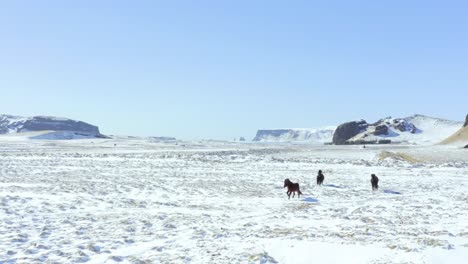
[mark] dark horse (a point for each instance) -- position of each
(292, 188)
(375, 182)
(320, 178)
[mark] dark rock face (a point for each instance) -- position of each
(381, 130)
(384, 141)
(10, 124)
(242, 139)
(466, 146)
(466, 121)
(404, 126)
(348, 130)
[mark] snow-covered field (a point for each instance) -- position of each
(138, 201)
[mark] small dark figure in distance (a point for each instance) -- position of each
(292, 188)
(320, 178)
(375, 182)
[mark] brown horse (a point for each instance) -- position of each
(292, 188)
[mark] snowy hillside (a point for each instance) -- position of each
(416, 129)
(318, 135)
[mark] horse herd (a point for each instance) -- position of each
(294, 187)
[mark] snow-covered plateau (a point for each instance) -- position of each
(144, 201)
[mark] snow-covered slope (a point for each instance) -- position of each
(44, 135)
(61, 135)
(318, 135)
(459, 138)
(433, 129)
(65, 128)
(416, 129)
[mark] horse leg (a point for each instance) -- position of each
(294, 193)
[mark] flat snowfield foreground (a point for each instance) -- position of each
(91, 201)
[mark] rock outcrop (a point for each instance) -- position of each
(348, 130)
(17, 124)
(381, 130)
(416, 129)
(466, 121)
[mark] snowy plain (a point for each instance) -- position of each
(144, 201)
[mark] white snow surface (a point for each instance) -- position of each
(140, 201)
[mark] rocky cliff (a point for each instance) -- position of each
(348, 130)
(17, 124)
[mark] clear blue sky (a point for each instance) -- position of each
(223, 69)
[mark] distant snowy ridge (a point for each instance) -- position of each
(416, 129)
(54, 127)
(317, 135)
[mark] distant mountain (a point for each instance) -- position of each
(416, 129)
(60, 128)
(319, 135)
